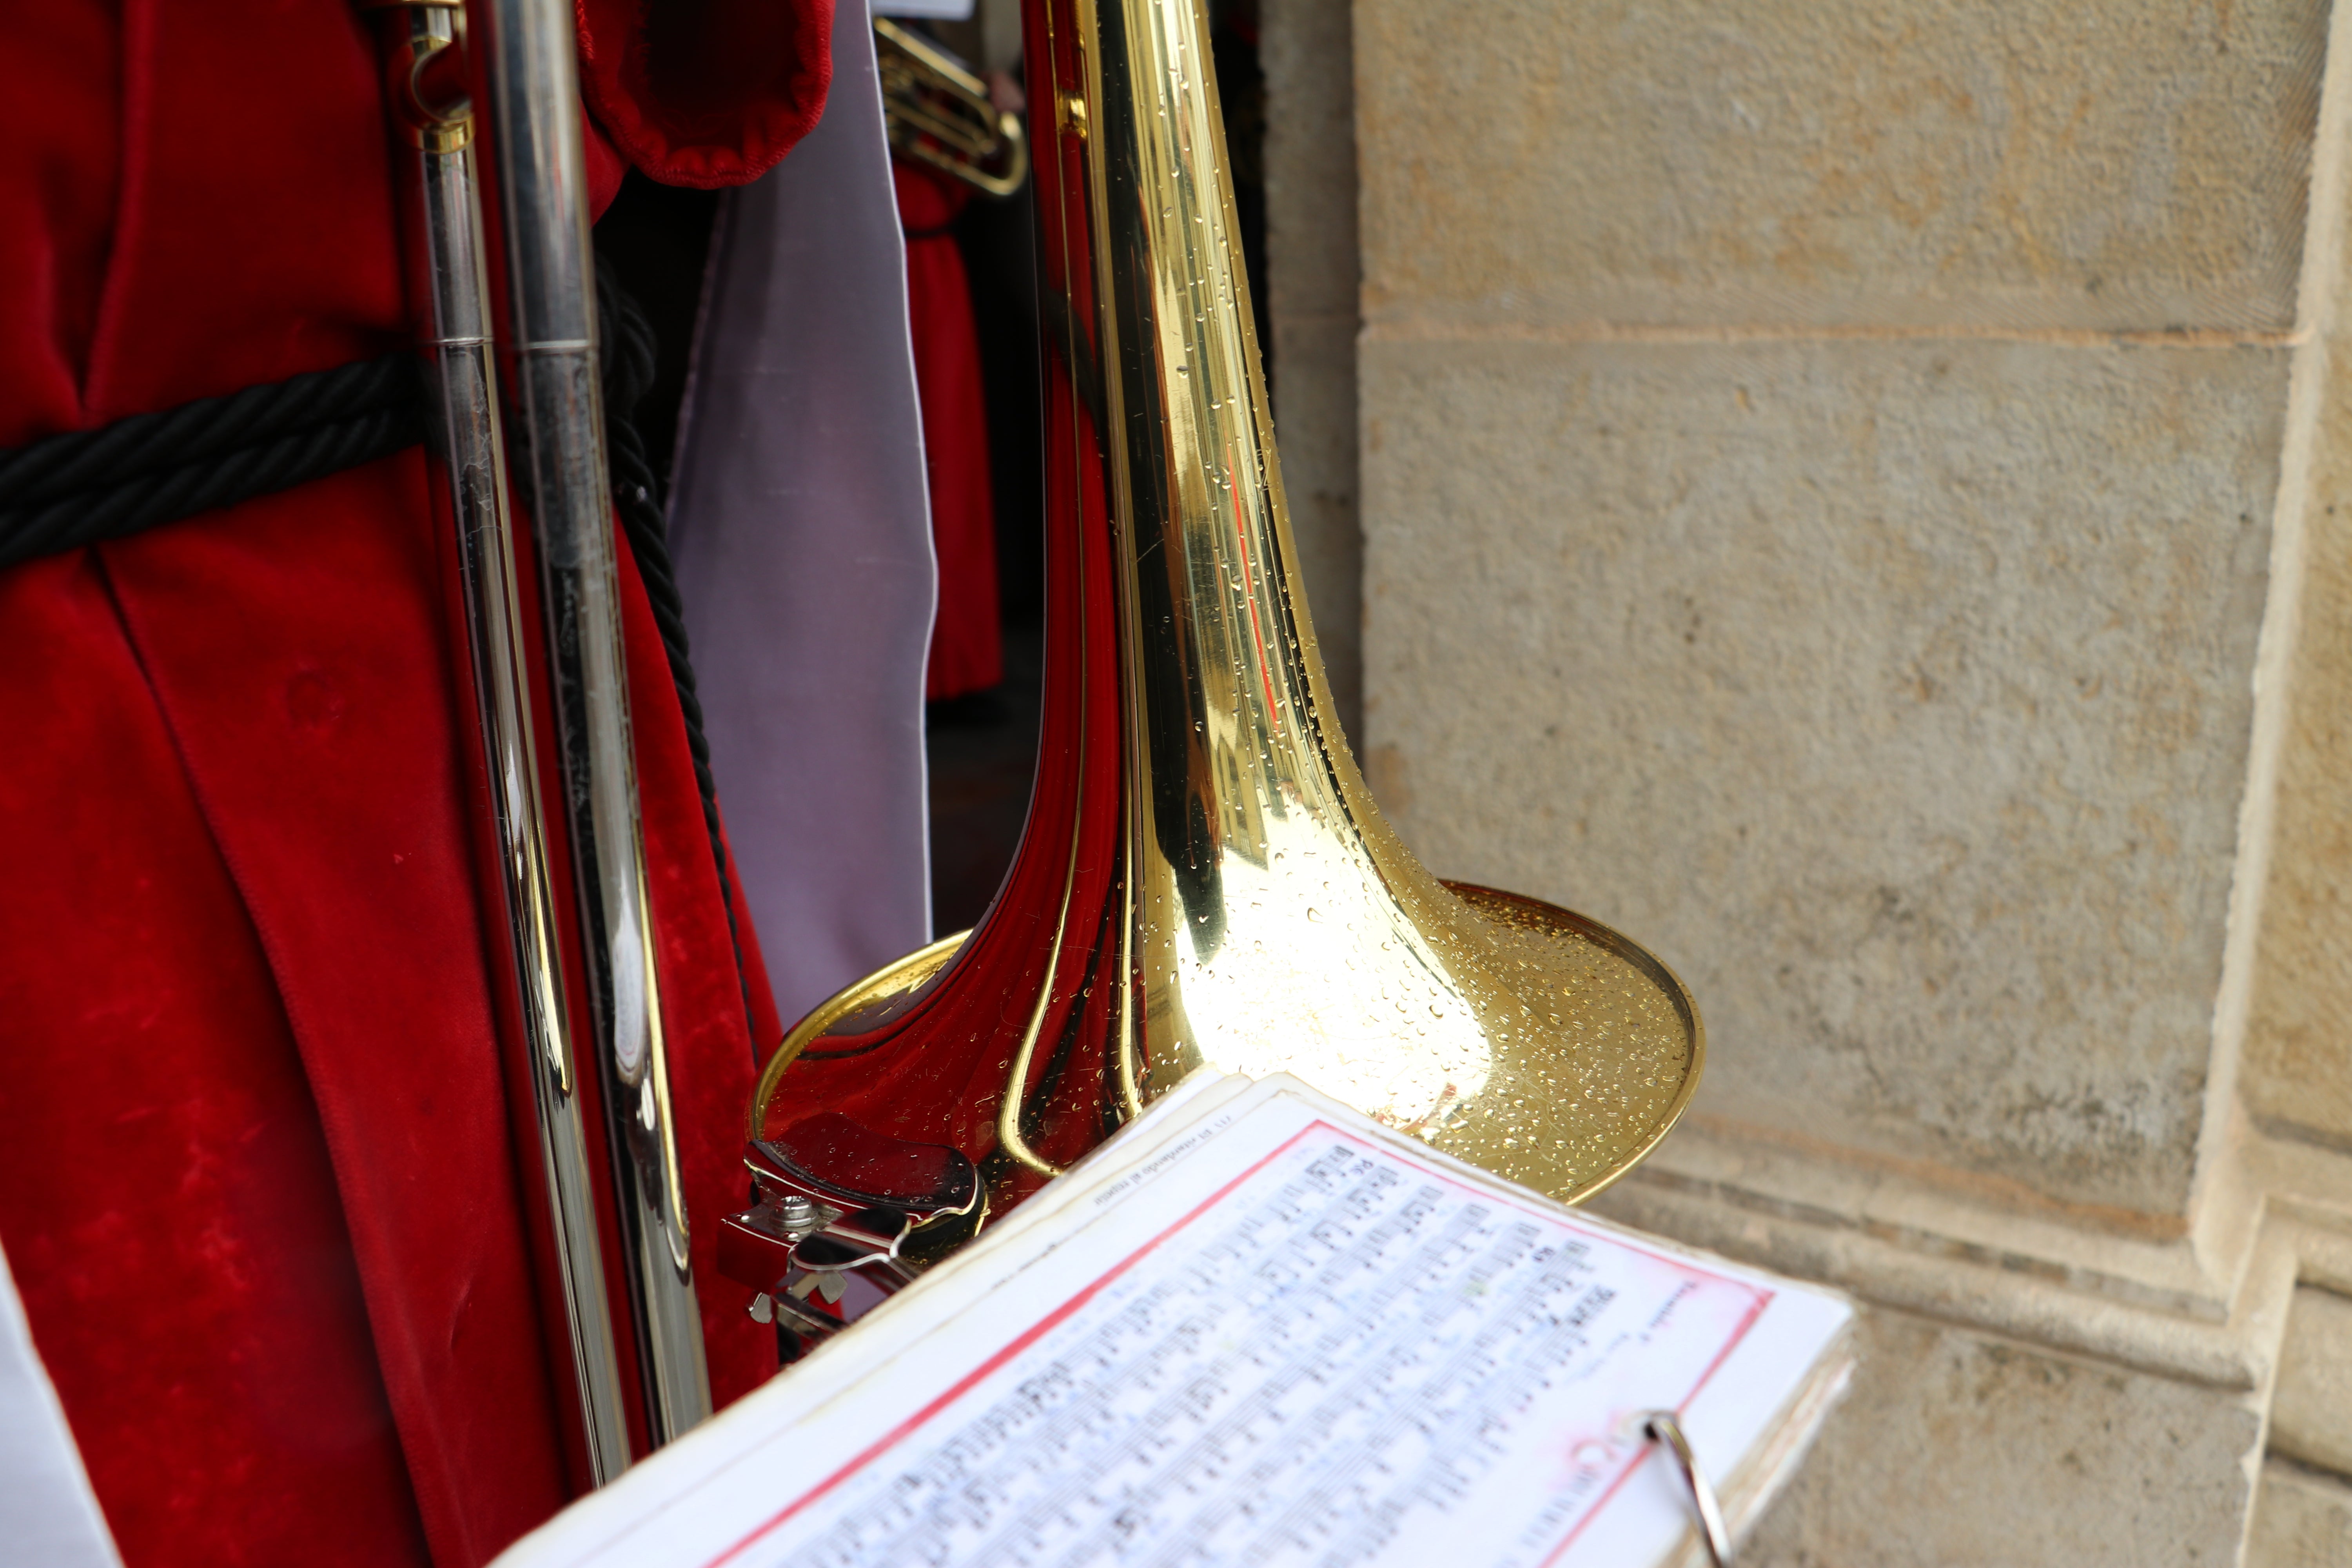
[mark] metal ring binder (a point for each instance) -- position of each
(1660, 1427)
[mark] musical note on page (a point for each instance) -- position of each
(1338, 1357)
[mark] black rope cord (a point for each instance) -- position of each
(626, 351)
(88, 486)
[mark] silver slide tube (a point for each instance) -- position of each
(451, 275)
(535, 130)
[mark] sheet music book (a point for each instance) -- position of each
(1254, 1328)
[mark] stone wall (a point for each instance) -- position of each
(1850, 494)
(1313, 275)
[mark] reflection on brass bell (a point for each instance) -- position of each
(1203, 877)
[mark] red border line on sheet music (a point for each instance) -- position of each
(1755, 1310)
(1044, 1325)
(1760, 1299)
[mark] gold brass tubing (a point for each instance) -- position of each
(1130, 1086)
(900, 978)
(970, 127)
(1273, 921)
(1280, 925)
(1017, 1082)
(1008, 1112)
(1005, 184)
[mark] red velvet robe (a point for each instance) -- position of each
(967, 635)
(258, 1188)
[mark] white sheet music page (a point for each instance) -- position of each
(1273, 1333)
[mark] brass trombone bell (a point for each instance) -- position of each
(1203, 877)
(938, 113)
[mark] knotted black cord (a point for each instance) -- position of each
(88, 486)
(627, 352)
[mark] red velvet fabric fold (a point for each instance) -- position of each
(320, 747)
(261, 1195)
(706, 92)
(166, 1195)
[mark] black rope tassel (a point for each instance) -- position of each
(626, 349)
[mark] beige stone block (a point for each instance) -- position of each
(2297, 1071)
(1312, 265)
(1314, 432)
(1958, 1451)
(1896, 694)
(2040, 163)
(2311, 1409)
(2301, 1520)
(1312, 277)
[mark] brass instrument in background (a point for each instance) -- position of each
(1203, 877)
(939, 113)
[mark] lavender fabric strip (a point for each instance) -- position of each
(49, 1514)
(800, 528)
